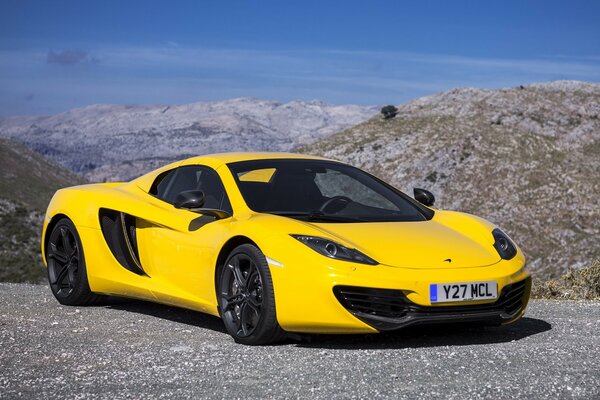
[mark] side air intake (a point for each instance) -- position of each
(119, 233)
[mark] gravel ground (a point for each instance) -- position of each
(142, 350)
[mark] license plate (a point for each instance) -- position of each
(462, 291)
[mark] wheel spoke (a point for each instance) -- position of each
(244, 318)
(72, 274)
(60, 276)
(234, 265)
(58, 256)
(229, 302)
(251, 277)
(68, 248)
(254, 304)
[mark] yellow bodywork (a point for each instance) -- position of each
(180, 263)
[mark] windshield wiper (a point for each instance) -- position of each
(316, 216)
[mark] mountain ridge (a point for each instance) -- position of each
(118, 142)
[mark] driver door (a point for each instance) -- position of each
(178, 255)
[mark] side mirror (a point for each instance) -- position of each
(189, 199)
(424, 197)
(193, 200)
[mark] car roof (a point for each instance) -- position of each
(218, 159)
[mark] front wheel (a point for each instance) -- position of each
(246, 298)
(67, 275)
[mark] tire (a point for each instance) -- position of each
(67, 275)
(246, 298)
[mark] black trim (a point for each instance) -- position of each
(119, 231)
(503, 245)
(424, 196)
(388, 309)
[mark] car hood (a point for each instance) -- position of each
(426, 244)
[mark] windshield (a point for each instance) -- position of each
(323, 191)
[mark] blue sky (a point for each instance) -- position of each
(57, 55)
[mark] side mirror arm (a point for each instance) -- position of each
(212, 212)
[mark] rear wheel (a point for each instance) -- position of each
(67, 275)
(246, 298)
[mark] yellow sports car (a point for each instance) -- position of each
(278, 243)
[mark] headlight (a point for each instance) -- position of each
(505, 247)
(334, 250)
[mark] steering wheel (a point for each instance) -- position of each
(341, 199)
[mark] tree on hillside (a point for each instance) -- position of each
(389, 112)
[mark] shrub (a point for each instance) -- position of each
(576, 284)
(389, 112)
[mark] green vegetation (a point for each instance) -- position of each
(27, 183)
(28, 178)
(576, 284)
(19, 245)
(389, 112)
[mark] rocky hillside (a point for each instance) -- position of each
(115, 142)
(27, 182)
(527, 158)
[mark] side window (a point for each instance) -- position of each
(193, 177)
(161, 183)
(185, 178)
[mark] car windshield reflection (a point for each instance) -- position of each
(322, 191)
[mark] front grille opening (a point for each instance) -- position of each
(378, 302)
(392, 306)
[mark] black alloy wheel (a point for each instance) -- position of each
(67, 275)
(246, 299)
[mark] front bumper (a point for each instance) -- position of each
(304, 287)
(388, 309)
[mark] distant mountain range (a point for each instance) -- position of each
(527, 158)
(117, 142)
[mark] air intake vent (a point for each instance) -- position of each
(119, 233)
(387, 309)
(379, 302)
